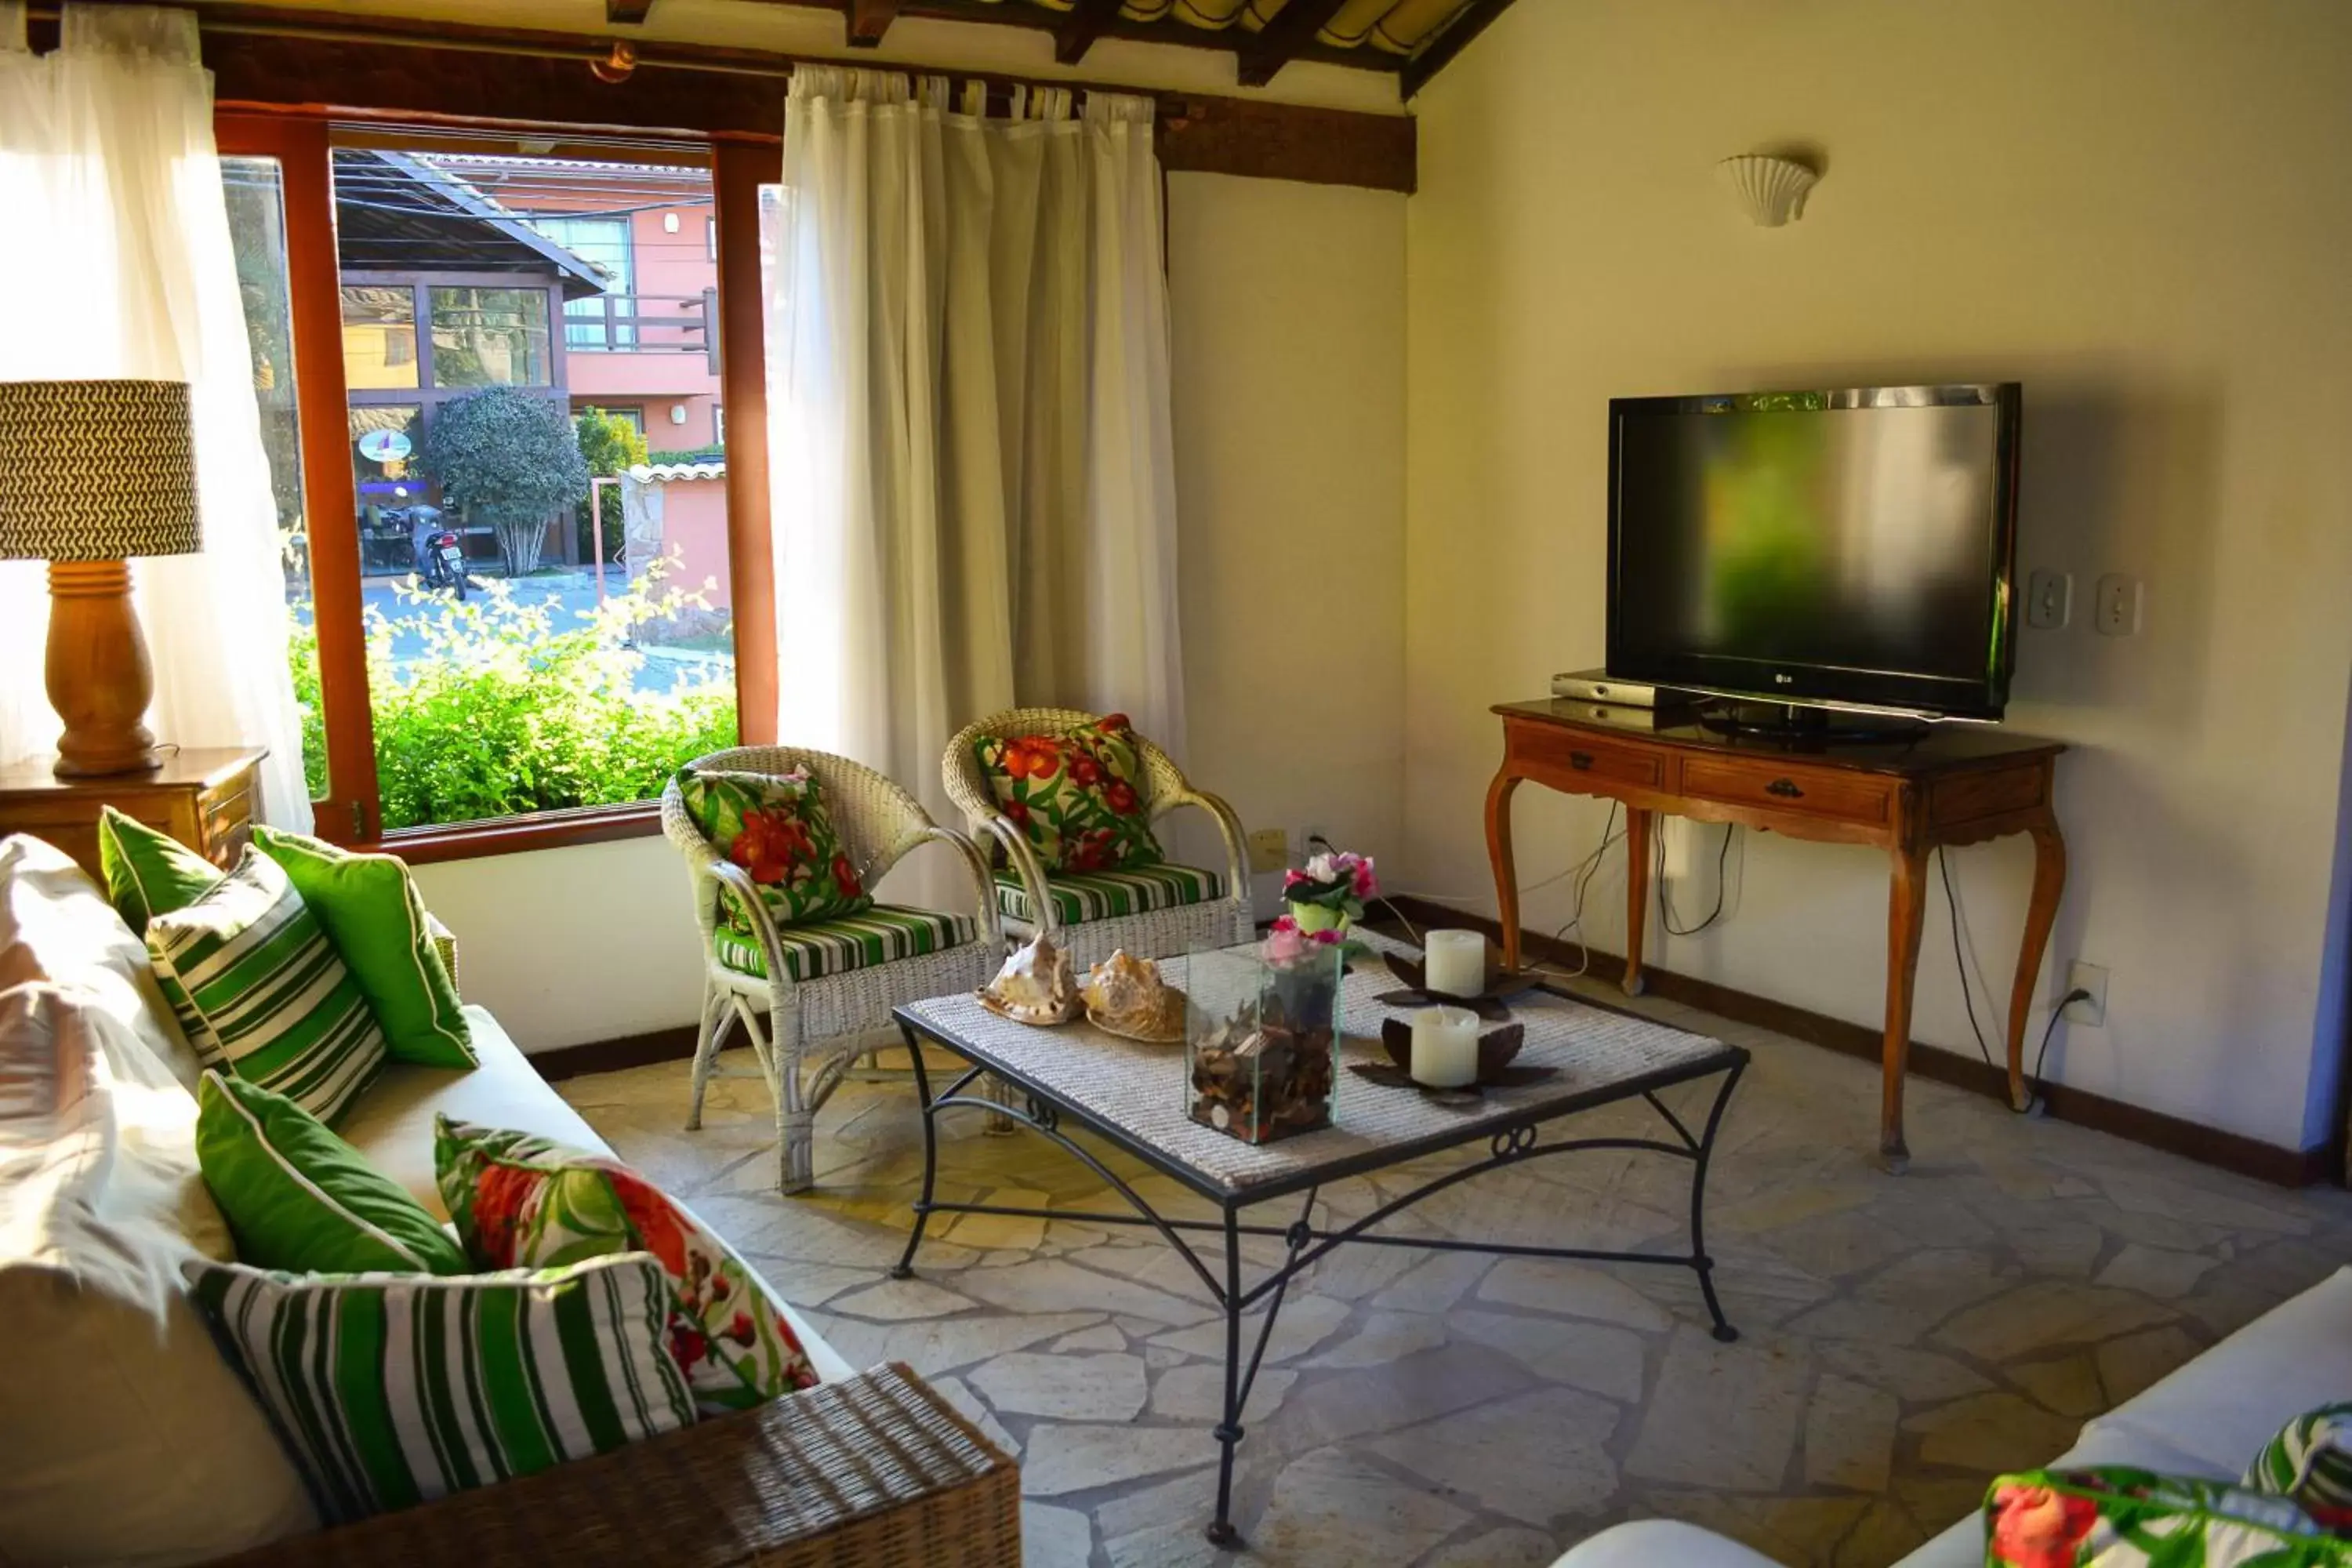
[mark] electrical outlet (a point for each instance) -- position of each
(2118, 611)
(1269, 850)
(1677, 833)
(2049, 600)
(2091, 1014)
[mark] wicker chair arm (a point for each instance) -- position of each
(1229, 825)
(734, 884)
(991, 927)
(875, 1471)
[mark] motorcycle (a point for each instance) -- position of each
(444, 562)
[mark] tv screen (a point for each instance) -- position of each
(1851, 547)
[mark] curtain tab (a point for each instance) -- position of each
(1053, 103)
(162, 33)
(1109, 108)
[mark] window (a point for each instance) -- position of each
(719, 424)
(603, 243)
(531, 693)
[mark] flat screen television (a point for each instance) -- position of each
(1850, 548)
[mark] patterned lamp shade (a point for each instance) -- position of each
(97, 470)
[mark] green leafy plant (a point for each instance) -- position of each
(509, 458)
(515, 707)
(610, 446)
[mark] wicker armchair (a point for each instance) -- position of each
(872, 1472)
(878, 823)
(1220, 919)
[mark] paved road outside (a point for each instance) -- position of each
(573, 589)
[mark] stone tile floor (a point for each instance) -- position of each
(1903, 1338)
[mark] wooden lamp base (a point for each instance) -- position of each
(100, 680)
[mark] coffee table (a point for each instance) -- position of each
(1134, 1097)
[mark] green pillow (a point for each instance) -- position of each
(148, 871)
(2311, 1461)
(391, 1390)
(370, 910)
(273, 1003)
(300, 1198)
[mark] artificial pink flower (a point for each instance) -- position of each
(1365, 882)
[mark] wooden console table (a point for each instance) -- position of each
(1955, 786)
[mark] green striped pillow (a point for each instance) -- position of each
(2311, 1461)
(273, 1003)
(394, 1389)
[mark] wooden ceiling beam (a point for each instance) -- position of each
(628, 12)
(1273, 46)
(1433, 57)
(868, 20)
(1087, 22)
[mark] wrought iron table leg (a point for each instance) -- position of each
(1699, 1259)
(1221, 1530)
(906, 1267)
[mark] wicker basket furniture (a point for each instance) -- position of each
(875, 1472)
(815, 1026)
(1219, 918)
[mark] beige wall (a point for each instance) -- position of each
(1288, 305)
(1288, 368)
(2130, 205)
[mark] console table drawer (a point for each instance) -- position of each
(1561, 752)
(1776, 787)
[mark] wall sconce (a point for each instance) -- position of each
(669, 223)
(1771, 191)
(678, 413)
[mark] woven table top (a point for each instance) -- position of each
(1138, 1094)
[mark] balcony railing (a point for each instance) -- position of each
(644, 324)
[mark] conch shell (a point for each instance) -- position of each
(1037, 984)
(1127, 996)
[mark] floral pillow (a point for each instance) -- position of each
(2311, 1461)
(776, 828)
(519, 1200)
(2118, 1518)
(1077, 796)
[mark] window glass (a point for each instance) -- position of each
(490, 337)
(254, 191)
(543, 632)
(598, 321)
(379, 336)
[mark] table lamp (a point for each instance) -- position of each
(91, 473)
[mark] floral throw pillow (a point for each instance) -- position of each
(776, 828)
(2311, 1461)
(2118, 1518)
(1077, 796)
(519, 1200)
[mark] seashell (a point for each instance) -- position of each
(1037, 984)
(1772, 190)
(1127, 996)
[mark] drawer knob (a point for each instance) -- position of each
(1580, 761)
(1785, 788)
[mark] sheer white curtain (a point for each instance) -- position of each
(119, 265)
(973, 490)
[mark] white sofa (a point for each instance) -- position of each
(2209, 1419)
(128, 1438)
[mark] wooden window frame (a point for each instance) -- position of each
(350, 812)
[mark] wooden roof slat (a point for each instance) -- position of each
(868, 20)
(1087, 22)
(628, 12)
(1294, 26)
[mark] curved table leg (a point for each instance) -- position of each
(2049, 886)
(1498, 851)
(1906, 903)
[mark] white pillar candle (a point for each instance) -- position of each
(1446, 1046)
(1457, 963)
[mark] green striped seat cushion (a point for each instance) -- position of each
(880, 934)
(272, 1001)
(394, 1389)
(1081, 896)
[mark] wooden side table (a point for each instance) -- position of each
(1960, 785)
(204, 799)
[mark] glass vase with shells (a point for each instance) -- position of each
(1262, 1036)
